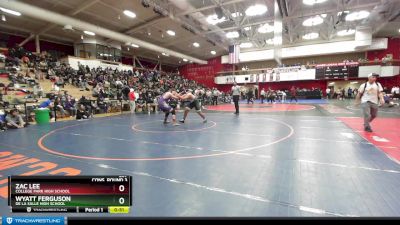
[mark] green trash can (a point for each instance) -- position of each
(42, 116)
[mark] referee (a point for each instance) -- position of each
(236, 95)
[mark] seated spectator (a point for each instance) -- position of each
(3, 126)
(151, 103)
(88, 104)
(141, 103)
(101, 104)
(59, 106)
(69, 106)
(14, 120)
(37, 91)
(82, 113)
(388, 101)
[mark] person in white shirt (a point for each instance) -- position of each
(262, 94)
(236, 95)
(328, 91)
(371, 96)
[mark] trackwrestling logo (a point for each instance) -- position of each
(34, 220)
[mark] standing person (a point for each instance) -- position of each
(328, 91)
(370, 94)
(191, 102)
(132, 100)
(163, 105)
(262, 95)
(283, 96)
(293, 94)
(250, 96)
(215, 94)
(349, 93)
(236, 96)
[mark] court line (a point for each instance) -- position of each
(214, 189)
(134, 127)
(235, 133)
(238, 194)
(348, 166)
(333, 121)
(335, 129)
(44, 148)
(380, 111)
(341, 141)
(381, 151)
(172, 145)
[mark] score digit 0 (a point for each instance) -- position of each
(121, 201)
(121, 188)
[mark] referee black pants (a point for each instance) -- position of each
(215, 100)
(236, 101)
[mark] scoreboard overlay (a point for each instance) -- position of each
(78, 194)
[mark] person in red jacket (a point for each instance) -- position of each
(132, 100)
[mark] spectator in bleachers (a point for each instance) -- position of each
(70, 106)
(101, 104)
(37, 91)
(14, 120)
(141, 103)
(3, 125)
(82, 113)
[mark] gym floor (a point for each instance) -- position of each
(306, 159)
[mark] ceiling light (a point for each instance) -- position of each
(313, 21)
(346, 32)
(236, 14)
(247, 28)
(399, 30)
(256, 10)
(213, 52)
(324, 15)
(171, 32)
(185, 60)
(246, 45)
(89, 33)
(196, 44)
(312, 2)
(266, 28)
(232, 34)
(357, 15)
(135, 46)
(213, 19)
(9, 11)
(165, 54)
(82, 37)
(311, 36)
(270, 41)
(129, 13)
(3, 17)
